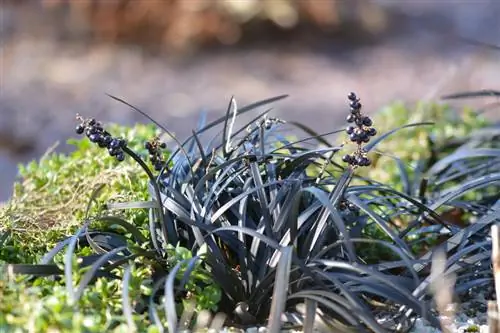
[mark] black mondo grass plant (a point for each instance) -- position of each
(272, 244)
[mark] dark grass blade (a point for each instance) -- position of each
(341, 308)
(126, 304)
(203, 157)
(411, 301)
(473, 94)
(421, 207)
(94, 245)
(47, 258)
(280, 293)
(261, 194)
(294, 144)
(226, 139)
(217, 188)
(169, 297)
(211, 173)
(90, 274)
(181, 147)
(378, 139)
(311, 132)
(240, 143)
(462, 155)
(153, 312)
(102, 242)
(68, 263)
(170, 307)
(381, 223)
(238, 198)
(460, 175)
(310, 315)
(93, 199)
(153, 235)
(363, 311)
(462, 189)
(329, 209)
(457, 239)
(29, 269)
(241, 111)
(129, 227)
(406, 261)
(201, 122)
(226, 279)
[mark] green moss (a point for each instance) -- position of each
(51, 195)
(473, 328)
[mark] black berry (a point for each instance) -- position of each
(363, 161)
(347, 158)
(351, 118)
(92, 122)
(95, 137)
(80, 129)
(163, 145)
(114, 144)
(352, 96)
(158, 166)
(113, 151)
(349, 129)
(355, 106)
(148, 146)
(372, 131)
(367, 121)
(106, 139)
(120, 156)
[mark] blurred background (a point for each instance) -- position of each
(177, 58)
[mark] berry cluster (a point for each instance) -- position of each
(155, 156)
(96, 133)
(347, 205)
(359, 132)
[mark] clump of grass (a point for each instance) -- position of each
(238, 219)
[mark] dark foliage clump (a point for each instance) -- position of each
(334, 251)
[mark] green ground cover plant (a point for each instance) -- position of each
(249, 224)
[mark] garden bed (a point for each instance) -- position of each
(341, 231)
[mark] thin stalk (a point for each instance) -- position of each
(170, 232)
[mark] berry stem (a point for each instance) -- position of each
(170, 232)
